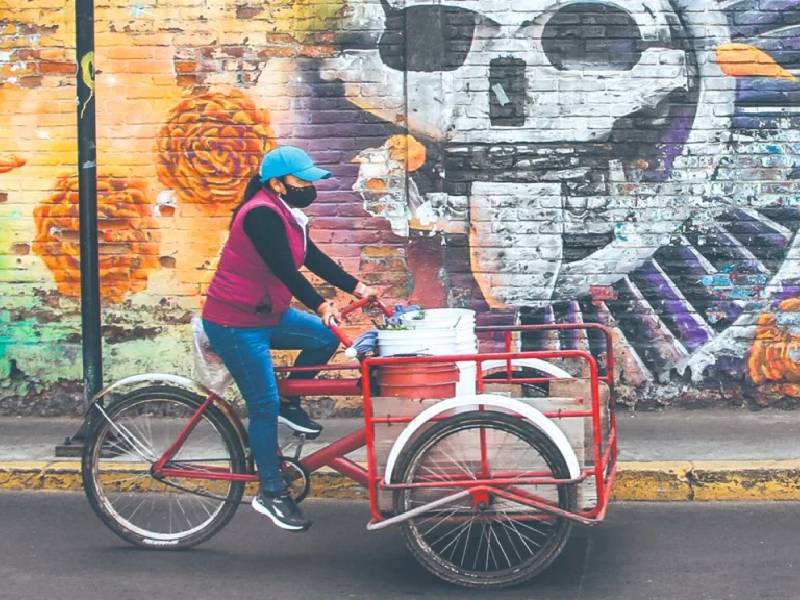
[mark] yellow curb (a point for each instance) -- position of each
(658, 481)
(22, 475)
(753, 480)
(653, 481)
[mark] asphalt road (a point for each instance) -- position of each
(53, 547)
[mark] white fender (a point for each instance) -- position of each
(531, 414)
(178, 380)
(533, 363)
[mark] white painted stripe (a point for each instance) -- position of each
(766, 110)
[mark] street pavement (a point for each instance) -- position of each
(53, 547)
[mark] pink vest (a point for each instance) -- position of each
(244, 292)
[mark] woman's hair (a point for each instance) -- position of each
(253, 187)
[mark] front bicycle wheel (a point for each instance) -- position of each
(128, 436)
(491, 541)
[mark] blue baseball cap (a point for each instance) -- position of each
(290, 160)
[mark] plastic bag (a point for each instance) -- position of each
(399, 311)
(208, 366)
(367, 343)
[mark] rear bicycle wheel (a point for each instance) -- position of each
(498, 543)
(128, 436)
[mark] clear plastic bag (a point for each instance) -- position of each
(208, 366)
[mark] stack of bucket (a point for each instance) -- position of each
(436, 332)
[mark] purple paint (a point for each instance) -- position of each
(676, 310)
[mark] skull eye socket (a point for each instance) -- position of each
(594, 37)
(427, 38)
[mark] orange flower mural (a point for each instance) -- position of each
(9, 162)
(211, 145)
(775, 357)
(128, 239)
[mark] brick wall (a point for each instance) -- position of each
(628, 163)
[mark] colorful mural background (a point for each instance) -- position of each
(627, 162)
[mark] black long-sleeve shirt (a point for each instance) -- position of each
(267, 232)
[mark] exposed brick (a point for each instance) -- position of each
(248, 12)
(56, 67)
(185, 66)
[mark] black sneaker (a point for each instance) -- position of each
(282, 510)
(293, 415)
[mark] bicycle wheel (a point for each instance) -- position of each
(128, 436)
(498, 542)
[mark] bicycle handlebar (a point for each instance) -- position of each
(353, 306)
(363, 302)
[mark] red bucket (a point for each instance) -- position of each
(421, 381)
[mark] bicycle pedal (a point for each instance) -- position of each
(306, 436)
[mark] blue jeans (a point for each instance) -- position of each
(246, 353)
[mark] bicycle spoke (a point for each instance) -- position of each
(464, 530)
(458, 531)
(513, 526)
(441, 521)
(500, 545)
(458, 464)
(488, 529)
(512, 544)
(484, 535)
(141, 450)
(504, 515)
(466, 543)
(170, 508)
(480, 543)
(178, 500)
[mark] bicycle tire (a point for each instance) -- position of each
(446, 569)
(102, 432)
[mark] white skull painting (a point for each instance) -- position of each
(576, 136)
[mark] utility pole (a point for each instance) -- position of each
(91, 337)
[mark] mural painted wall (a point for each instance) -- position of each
(629, 162)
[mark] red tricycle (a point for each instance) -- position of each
(486, 485)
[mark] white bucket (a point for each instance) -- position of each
(434, 342)
(461, 319)
(441, 331)
(445, 321)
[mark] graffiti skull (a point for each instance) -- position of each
(563, 125)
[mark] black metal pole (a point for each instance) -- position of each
(91, 337)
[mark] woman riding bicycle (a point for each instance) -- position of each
(247, 311)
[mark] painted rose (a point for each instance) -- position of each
(128, 241)
(775, 357)
(211, 145)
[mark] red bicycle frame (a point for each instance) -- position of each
(332, 456)
(604, 447)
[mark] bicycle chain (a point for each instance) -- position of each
(301, 496)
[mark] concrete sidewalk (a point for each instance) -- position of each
(669, 455)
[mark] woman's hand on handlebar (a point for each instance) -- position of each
(364, 291)
(329, 314)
